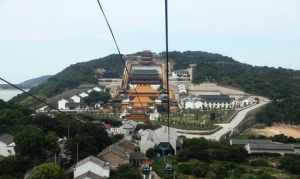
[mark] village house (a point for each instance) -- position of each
(137, 159)
(7, 145)
(62, 104)
(91, 168)
(118, 154)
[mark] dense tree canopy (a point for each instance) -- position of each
(95, 97)
(36, 138)
(126, 172)
(47, 171)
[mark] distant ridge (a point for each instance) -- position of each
(28, 84)
(35, 81)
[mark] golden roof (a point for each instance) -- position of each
(144, 88)
(141, 101)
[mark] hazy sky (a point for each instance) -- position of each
(39, 37)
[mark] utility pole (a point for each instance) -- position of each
(77, 153)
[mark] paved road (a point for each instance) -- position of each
(227, 128)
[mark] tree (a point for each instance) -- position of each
(51, 142)
(95, 97)
(47, 171)
(87, 145)
(30, 142)
(14, 166)
(126, 172)
(291, 163)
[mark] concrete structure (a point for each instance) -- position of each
(7, 145)
(151, 138)
(62, 104)
(92, 167)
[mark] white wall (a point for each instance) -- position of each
(62, 104)
(146, 144)
(6, 151)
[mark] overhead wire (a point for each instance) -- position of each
(119, 51)
(167, 63)
(31, 95)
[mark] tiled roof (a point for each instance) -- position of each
(271, 146)
(144, 89)
(92, 159)
(89, 175)
(247, 141)
(7, 138)
(138, 156)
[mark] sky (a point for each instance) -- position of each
(39, 37)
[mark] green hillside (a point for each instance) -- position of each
(280, 85)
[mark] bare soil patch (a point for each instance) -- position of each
(276, 129)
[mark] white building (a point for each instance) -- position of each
(208, 102)
(91, 167)
(7, 145)
(42, 109)
(83, 95)
(97, 89)
(127, 128)
(181, 89)
(152, 138)
(90, 90)
(62, 104)
(75, 99)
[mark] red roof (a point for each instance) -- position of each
(107, 126)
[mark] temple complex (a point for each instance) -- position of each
(144, 83)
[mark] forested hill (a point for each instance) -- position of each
(281, 85)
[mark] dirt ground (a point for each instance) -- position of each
(288, 130)
(212, 87)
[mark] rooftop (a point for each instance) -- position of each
(271, 146)
(94, 160)
(247, 141)
(138, 156)
(7, 138)
(89, 175)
